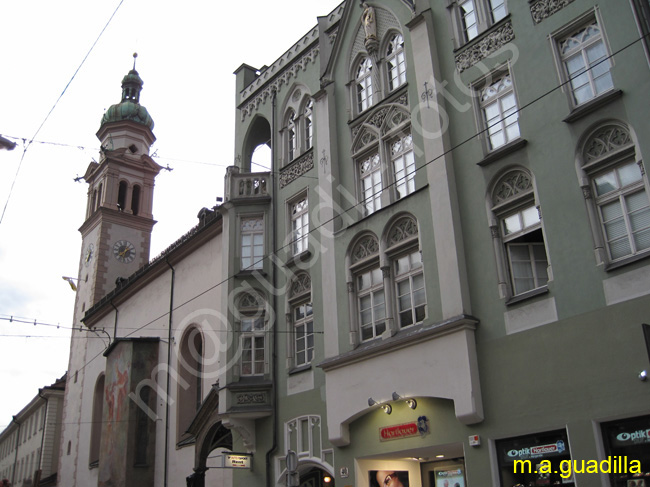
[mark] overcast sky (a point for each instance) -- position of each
(187, 53)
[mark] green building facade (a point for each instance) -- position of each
(441, 270)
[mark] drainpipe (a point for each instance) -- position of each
(13, 474)
(274, 367)
(169, 365)
(115, 326)
(40, 455)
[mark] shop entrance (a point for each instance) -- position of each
(316, 478)
(446, 473)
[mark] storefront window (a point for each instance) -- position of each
(535, 460)
(627, 445)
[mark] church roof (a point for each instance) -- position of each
(129, 108)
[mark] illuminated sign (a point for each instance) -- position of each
(236, 460)
(405, 430)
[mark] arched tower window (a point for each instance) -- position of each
(135, 199)
(97, 418)
(190, 366)
(258, 137)
(121, 196)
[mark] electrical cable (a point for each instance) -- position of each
(22, 157)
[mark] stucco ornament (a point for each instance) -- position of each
(542, 9)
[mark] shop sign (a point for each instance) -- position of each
(637, 437)
(234, 460)
(405, 430)
(537, 451)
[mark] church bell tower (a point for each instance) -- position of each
(119, 220)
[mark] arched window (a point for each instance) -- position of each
(121, 196)
(363, 81)
(616, 194)
(135, 199)
(517, 235)
(368, 286)
(396, 62)
(292, 145)
(308, 124)
(190, 367)
(97, 421)
(383, 150)
(407, 272)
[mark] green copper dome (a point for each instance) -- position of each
(129, 108)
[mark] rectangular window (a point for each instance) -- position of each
(411, 294)
(252, 243)
(371, 187)
(372, 304)
(498, 9)
(522, 235)
(500, 112)
(299, 226)
(303, 325)
(401, 153)
(469, 19)
(624, 210)
(586, 63)
(253, 346)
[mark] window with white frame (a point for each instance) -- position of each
(401, 153)
(396, 62)
(292, 142)
(472, 17)
(518, 237)
(303, 329)
(252, 243)
(499, 111)
(252, 335)
(618, 195)
(407, 272)
(299, 225)
(585, 62)
(368, 286)
(298, 129)
(308, 124)
(383, 149)
(372, 304)
(363, 83)
(370, 178)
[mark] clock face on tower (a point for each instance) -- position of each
(124, 251)
(89, 254)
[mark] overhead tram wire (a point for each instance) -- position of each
(29, 142)
(448, 151)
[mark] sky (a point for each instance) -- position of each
(58, 76)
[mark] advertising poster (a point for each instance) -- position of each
(388, 478)
(449, 476)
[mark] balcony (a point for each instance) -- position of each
(246, 185)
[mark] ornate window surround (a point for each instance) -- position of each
(296, 104)
(369, 253)
(382, 127)
(478, 87)
(589, 17)
(609, 145)
(511, 192)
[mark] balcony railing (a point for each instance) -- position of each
(246, 185)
